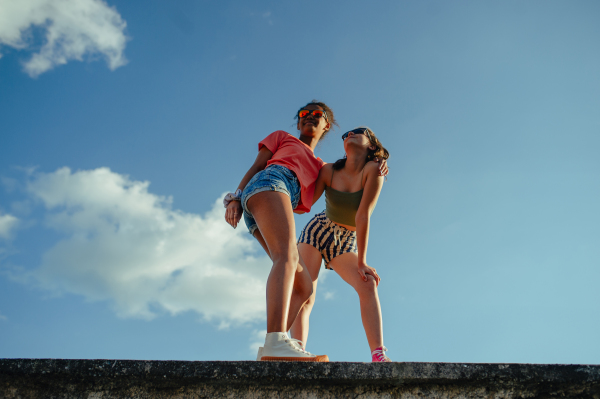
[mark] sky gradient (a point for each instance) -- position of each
(123, 123)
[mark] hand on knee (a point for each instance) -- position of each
(367, 287)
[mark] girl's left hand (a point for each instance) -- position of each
(233, 214)
(365, 270)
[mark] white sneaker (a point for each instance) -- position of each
(279, 347)
(300, 345)
(260, 352)
(297, 342)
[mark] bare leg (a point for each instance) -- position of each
(303, 285)
(312, 258)
(261, 240)
(275, 219)
(299, 284)
(346, 266)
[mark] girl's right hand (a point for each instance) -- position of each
(365, 270)
(233, 213)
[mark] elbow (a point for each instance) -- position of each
(362, 218)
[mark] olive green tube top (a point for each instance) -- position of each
(341, 207)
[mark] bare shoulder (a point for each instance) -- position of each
(326, 170)
(371, 175)
(372, 168)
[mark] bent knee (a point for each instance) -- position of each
(368, 287)
(308, 305)
(305, 291)
(289, 258)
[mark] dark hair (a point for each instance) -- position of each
(378, 152)
(330, 118)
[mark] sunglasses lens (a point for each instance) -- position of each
(344, 136)
(317, 113)
(302, 113)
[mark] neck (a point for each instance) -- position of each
(309, 141)
(355, 161)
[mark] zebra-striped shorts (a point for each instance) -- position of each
(329, 238)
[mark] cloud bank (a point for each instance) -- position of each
(73, 29)
(7, 225)
(125, 245)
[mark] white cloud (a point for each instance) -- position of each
(128, 246)
(73, 29)
(7, 224)
(266, 15)
(257, 339)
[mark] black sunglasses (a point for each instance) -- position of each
(360, 130)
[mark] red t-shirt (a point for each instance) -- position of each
(290, 152)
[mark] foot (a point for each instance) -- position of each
(299, 344)
(260, 352)
(378, 356)
(279, 347)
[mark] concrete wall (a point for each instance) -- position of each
(54, 378)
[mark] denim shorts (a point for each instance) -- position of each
(273, 178)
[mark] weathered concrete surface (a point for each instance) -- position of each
(55, 378)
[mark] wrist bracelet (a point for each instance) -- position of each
(232, 197)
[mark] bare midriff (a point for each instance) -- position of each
(351, 228)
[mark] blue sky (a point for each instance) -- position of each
(122, 124)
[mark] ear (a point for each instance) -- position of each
(327, 126)
(372, 148)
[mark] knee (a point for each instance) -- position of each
(305, 291)
(308, 305)
(288, 258)
(367, 288)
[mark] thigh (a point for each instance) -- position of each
(262, 241)
(274, 216)
(312, 259)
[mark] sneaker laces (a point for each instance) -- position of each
(379, 356)
(298, 344)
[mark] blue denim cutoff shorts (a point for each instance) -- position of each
(273, 178)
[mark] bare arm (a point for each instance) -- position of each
(320, 184)
(233, 214)
(264, 154)
(372, 188)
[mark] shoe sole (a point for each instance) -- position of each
(322, 358)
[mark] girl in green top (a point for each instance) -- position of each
(340, 235)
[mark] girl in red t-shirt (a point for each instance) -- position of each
(280, 182)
